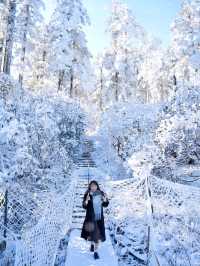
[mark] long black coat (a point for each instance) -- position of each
(89, 224)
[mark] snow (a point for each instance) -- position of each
(195, 60)
(138, 102)
(195, 173)
(96, 173)
(78, 252)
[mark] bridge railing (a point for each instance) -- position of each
(170, 213)
(38, 246)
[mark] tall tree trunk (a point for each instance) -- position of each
(4, 18)
(126, 74)
(101, 89)
(8, 46)
(21, 75)
(71, 83)
(117, 86)
(1, 53)
(60, 79)
(147, 95)
(174, 80)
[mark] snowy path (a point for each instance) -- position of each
(78, 253)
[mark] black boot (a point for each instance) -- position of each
(96, 255)
(92, 248)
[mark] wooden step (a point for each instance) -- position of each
(86, 164)
(77, 217)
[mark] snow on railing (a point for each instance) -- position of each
(131, 186)
(38, 246)
(152, 258)
(19, 208)
(120, 213)
(172, 218)
(170, 202)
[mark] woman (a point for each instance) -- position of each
(93, 227)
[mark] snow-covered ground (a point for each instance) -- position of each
(78, 253)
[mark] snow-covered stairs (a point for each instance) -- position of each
(78, 211)
(85, 159)
(84, 162)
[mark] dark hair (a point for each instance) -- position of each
(96, 183)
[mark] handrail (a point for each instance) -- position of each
(38, 246)
(151, 254)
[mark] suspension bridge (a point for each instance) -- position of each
(35, 240)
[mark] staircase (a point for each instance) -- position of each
(78, 211)
(78, 250)
(85, 159)
(83, 162)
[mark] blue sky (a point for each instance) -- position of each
(154, 15)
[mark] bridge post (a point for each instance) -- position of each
(5, 213)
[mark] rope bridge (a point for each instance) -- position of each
(167, 211)
(20, 208)
(161, 210)
(36, 245)
(175, 215)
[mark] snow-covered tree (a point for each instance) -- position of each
(124, 128)
(186, 42)
(69, 58)
(7, 85)
(101, 93)
(3, 16)
(38, 77)
(135, 126)
(8, 17)
(122, 57)
(150, 73)
(39, 137)
(157, 77)
(178, 133)
(168, 74)
(29, 17)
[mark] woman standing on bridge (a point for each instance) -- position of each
(93, 227)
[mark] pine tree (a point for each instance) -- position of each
(38, 78)
(8, 23)
(186, 41)
(100, 84)
(3, 16)
(126, 38)
(155, 80)
(29, 17)
(69, 58)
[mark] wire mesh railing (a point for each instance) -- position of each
(35, 227)
(172, 220)
(38, 246)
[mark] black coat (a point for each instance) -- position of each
(89, 224)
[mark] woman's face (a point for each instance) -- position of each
(93, 187)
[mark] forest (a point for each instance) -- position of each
(132, 110)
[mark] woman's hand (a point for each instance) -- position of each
(105, 202)
(105, 197)
(87, 198)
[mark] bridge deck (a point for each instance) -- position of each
(78, 253)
